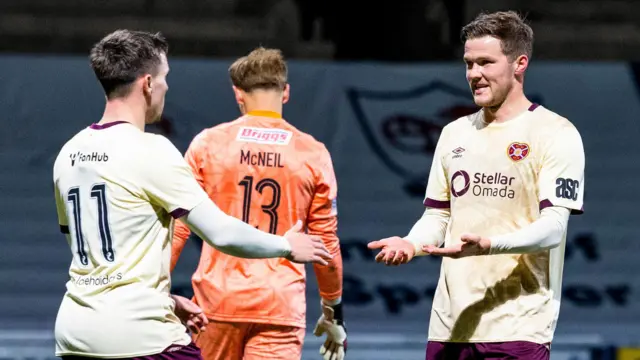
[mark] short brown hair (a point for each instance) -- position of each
(123, 56)
(262, 69)
(509, 27)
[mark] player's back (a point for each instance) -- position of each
(117, 302)
(260, 169)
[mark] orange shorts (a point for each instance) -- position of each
(250, 341)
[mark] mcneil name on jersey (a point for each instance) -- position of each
(261, 158)
(92, 156)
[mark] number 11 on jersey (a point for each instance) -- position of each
(98, 192)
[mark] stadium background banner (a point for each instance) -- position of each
(381, 124)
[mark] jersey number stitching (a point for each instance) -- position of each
(98, 192)
(269, 209)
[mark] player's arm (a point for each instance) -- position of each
(543, 234)
(63, 221)
(168, 182)
(322, 220)
(62, 212)
(232, 236)
(561, 192)
(181, 233)
(193, 158)
(431, 228)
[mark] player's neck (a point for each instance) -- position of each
(260, 102)
(123, 110)
(509, 109)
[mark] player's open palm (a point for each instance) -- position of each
(393, 251)
(306, 248)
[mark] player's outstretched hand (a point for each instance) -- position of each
(471, 245)
(190, 314)
(395, 250)
(306, 248)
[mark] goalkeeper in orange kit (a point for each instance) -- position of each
(261, 169)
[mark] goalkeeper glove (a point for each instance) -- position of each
(331, 322)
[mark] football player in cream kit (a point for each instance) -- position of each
(117, 191)
(502, 185)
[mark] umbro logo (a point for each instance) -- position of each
(457, 152)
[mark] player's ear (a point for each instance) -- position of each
(286, 93)
(147, 84)
(238, 95)
(521, 64)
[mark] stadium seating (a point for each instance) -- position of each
(201, 28)
(594, 30)
(577, 30)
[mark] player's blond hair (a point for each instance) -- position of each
(263, 69)
(515, 35)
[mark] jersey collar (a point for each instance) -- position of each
(265, 113)
(96, 126)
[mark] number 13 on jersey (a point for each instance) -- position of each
(270, 208)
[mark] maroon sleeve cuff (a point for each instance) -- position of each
(547, 203)
(437, 204)
(178, 213)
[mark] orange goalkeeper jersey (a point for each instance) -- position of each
(261, 169)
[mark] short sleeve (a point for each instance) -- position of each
(561, 178)
(62, 212)
(437, 194)
(193, 157)
(168, 180)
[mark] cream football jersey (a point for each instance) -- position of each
(496, 178)
(117, 191)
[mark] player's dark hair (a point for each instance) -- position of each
(123, 56)
(263, 69)
(515, 35)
